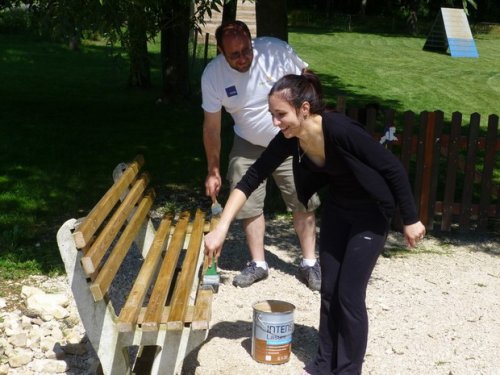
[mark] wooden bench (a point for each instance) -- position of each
(136, 284)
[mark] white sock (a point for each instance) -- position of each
(261, 264)
(308, 262)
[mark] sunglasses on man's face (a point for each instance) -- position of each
(246, 52)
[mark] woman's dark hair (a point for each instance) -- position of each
(232, 27)
(297, 89)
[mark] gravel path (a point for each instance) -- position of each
(433, 310)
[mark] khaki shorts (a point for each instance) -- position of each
(242, 156)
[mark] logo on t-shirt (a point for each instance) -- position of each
(231, 91)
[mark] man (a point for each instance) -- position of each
(239, 79)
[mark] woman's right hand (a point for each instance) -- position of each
(214, 241)
(216, 237)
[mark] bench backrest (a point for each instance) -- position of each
(108, 232)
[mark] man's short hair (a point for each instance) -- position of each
(231, 28)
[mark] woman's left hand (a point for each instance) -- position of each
(414, 233)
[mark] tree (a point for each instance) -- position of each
(174, 29)
(229, 10)
(137, 43)
(271, 17)
(177, 19)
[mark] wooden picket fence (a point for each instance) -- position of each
(450, 164)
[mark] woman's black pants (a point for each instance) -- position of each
(351, 239)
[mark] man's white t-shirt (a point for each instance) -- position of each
(244, 95)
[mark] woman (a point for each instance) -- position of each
(365, 183)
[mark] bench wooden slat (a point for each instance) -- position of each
(131, 309)
(97, 215)
(202, 309)
(162, 286)
(96, 252)
(102, 282)
(180, 298)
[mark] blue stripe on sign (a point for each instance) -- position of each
(460, 47)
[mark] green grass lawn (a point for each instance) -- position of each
(67, 118)
(395, 72)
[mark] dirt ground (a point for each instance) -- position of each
(433, 310)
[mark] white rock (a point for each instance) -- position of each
(3, 341)
(45, 330)
(57, 333)
(20, 357)
(47, 305)
(47, 343)
(35, 334)
(26, 322)
(52, 366)
(39, 355)
(60, 312)
(27, 291)
(37, 321)
(19, 340)
(12, 326)
(13, 331)
(73, 337)
(3, 303)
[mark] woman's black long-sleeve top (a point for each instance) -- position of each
(357, 168)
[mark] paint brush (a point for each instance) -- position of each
(216, 207)
(211, 278)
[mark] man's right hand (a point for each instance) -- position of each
(213, 183)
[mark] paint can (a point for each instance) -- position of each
(272, 331)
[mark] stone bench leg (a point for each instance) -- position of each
(174, 347)
(97, 318)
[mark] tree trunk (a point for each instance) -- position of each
(175, 28)
(140, 74)
(329, 8)
(272, 18)
(229, 11)
(362, 10)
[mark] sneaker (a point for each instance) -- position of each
(250, 274)
(311, 276)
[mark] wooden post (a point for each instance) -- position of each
(451, 171)
(371, 119)
(487, 175)
(470, 162)
(407, 139)
(353, 113)
(419, 173)
(428, 157)
(340, 107)
(426, 166)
